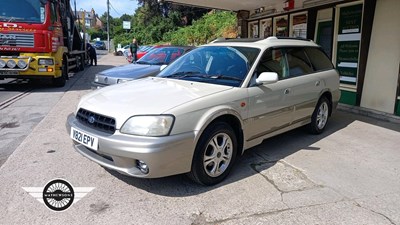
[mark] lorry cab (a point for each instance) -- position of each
(38, 39)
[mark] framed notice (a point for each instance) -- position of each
(348, 42)
(266, 28)
(281, 26)
(298, 26)
(253, 29)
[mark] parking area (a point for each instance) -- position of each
(348, 175)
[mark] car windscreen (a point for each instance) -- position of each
(161, 56)
(24, 11)
(224, 65)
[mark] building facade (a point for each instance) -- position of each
(362, 38)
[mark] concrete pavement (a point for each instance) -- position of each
(348, 175)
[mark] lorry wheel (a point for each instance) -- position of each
(60, 81)
(82, 62)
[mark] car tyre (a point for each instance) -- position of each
(320, 116)
(214, 155)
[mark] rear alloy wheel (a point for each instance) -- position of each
(320, 116)
(214, 155)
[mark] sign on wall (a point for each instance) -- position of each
(281, 26)
(348, 43)
(266, 28)
(298, 26)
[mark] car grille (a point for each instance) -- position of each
(96, 121)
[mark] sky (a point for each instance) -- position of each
(117, 7)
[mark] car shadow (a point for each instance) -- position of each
(255, 160)
(84, 77)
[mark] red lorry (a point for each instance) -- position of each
(39, 39)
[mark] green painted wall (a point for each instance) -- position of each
(348, 97)
(397, 108)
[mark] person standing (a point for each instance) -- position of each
(92, 54)
(134, 47)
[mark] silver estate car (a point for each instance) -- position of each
(200, 113)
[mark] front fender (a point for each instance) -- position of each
(213, 114)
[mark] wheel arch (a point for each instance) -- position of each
(230, 117)
(328, 95)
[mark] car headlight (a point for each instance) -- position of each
(154, 126)
(45, 62)
(96, 78)
(122, 81)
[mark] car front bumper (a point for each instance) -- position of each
(164, 156)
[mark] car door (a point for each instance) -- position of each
(270, 107)
(304, 85)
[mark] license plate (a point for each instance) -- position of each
(8, 72)
(85, 139)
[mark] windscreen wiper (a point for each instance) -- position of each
(183, 74)
(224, 77)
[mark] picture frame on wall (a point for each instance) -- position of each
(266, 28)
(281, 25)
(253, 29)
(298, 25)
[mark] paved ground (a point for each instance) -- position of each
(348, 175)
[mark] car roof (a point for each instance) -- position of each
(263, 43)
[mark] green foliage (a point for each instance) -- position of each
(152, 25)
(204, 30)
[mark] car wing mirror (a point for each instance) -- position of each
(267, 78)
(162, 67)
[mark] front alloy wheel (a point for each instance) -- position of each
(214, 155)
(218, 155)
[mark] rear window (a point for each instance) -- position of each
(318, 59)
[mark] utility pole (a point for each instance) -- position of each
(108, 25)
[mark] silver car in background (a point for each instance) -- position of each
(200, 113)
(148, 65)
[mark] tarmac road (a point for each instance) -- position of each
(348, 175)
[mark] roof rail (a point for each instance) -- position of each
(272, 38)
(218, 40)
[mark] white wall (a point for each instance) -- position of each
(382, 70)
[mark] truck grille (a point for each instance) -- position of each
(17, 40)
(96, 121)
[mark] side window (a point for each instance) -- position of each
(298, 62)
(318, 59)
(273, 60)
(53, 13)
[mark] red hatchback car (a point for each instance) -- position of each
(143, 50)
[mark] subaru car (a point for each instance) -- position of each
(204, 110)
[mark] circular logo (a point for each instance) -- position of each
(58, 195)
(91, 119)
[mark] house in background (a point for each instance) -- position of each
(89, 18)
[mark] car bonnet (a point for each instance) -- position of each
(148, 96)
(130, 71)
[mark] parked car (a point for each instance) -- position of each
(122, 50)
(100, 45)
(149, 65)
(143, 50)
(200, 113)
